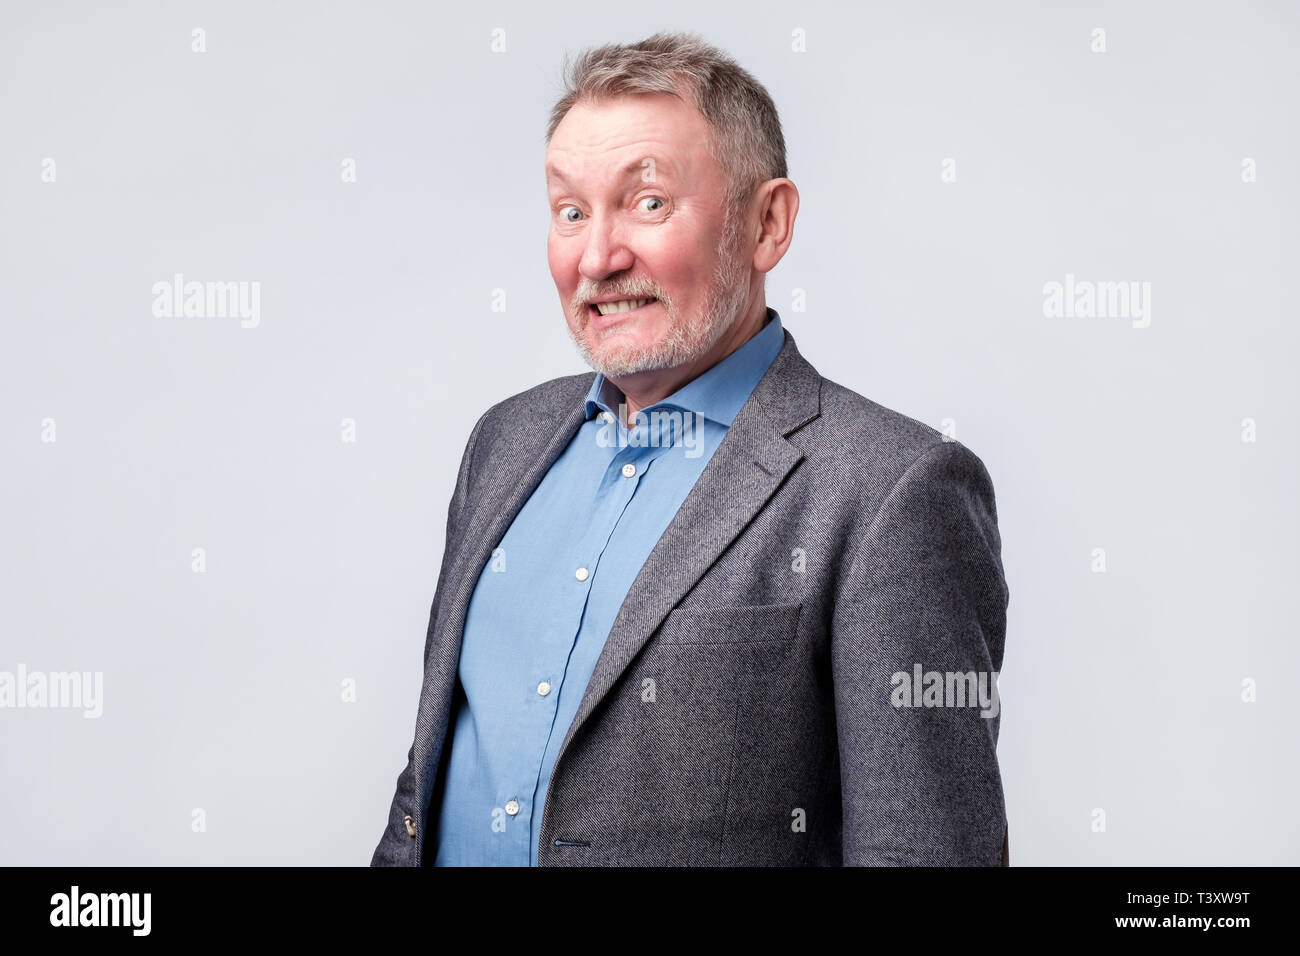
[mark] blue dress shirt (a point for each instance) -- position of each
(546, 600)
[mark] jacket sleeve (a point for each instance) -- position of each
(395, 846)
(916, 643)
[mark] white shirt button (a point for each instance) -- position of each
(512, 807)
(607, 418)
(581, 574)
(629, 471)
(543, 688)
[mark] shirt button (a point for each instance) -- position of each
(543, 688)
(410, 825)
(512, 807)
(629, 471)
(607, 418)
(581, 574)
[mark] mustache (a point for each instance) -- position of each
(644, 291)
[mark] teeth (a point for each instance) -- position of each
(626, 305)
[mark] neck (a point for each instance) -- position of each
(644, 389)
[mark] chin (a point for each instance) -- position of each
(627, 358)
(616, 363)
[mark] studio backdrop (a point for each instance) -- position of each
(1063, 236)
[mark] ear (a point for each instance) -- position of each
(777, 202)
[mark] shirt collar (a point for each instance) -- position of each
(717, 394)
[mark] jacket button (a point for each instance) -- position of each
(410, 826)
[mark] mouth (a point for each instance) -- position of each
(605, 314)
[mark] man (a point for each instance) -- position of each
(703, 607)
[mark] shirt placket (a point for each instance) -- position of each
(629, 461)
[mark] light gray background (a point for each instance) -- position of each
(1121, 691)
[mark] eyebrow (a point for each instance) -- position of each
(633, 167)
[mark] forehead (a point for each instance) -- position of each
(602, 139)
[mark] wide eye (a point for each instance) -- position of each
(651, 199)
(565, 213)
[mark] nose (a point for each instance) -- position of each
(606, 251)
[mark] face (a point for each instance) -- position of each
(636, 204)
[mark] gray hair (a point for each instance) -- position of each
(745, 141)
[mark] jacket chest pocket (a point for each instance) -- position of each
(747, 624)
(706, 684)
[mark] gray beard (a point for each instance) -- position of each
(685, 341)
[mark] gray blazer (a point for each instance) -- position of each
(745, 709)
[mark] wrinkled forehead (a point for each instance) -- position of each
(604, 139)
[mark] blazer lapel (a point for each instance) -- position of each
(747, 467)
(515, 464)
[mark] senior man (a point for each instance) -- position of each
(701, 606)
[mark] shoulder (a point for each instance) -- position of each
(858, 444)
(888, 433)
(853, 426)
(522, 412)
(897, 483)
